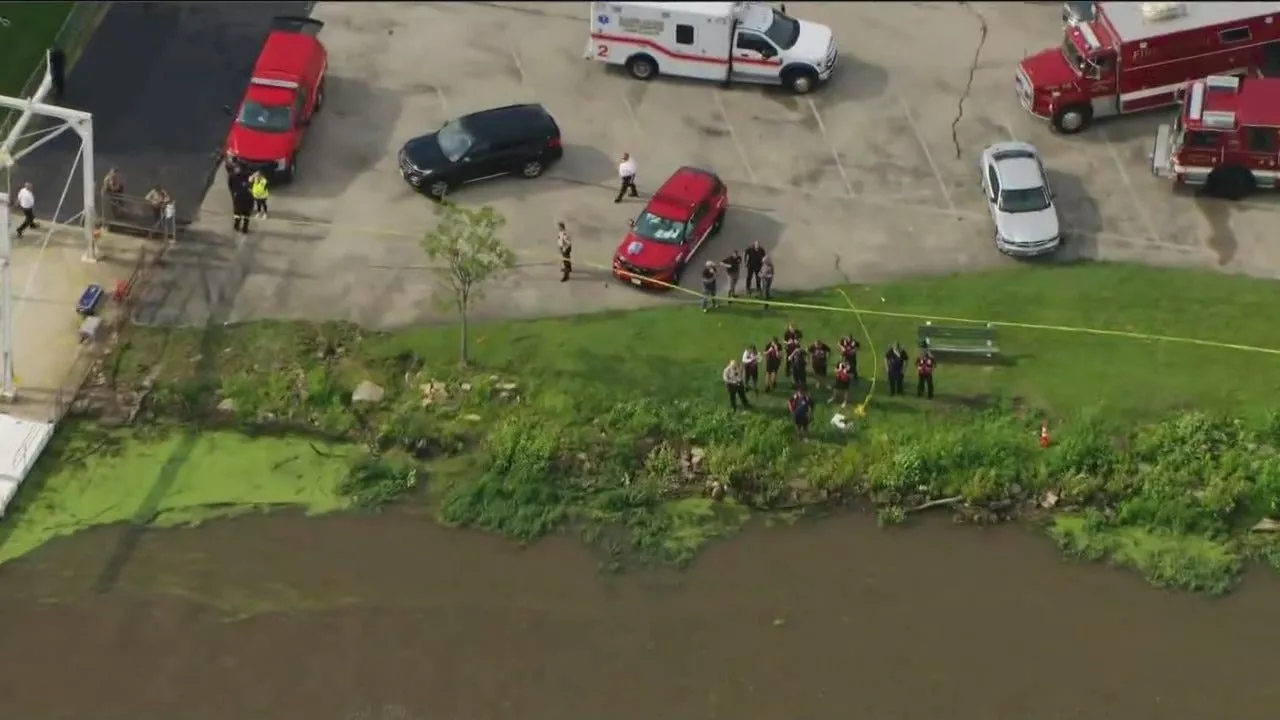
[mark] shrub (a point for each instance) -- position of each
(373, 482)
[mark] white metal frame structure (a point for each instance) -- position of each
(10, 153)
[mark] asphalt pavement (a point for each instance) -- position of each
(156, 77)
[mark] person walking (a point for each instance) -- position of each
(732, 267)
(924, 374)
(27, 204)
(565, 245)
(766, 281)
(733, 384)
(772, 363)
(754, 260)
(751, 368)
(708, 286)
(800, 406)
(895, 368)
(627, 177)
(258, 188)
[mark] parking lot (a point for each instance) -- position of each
(872, 177)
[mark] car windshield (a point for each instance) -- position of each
(266, 118)
(784, 31)
(1073, 56)
(1021, 201)
(455, 140)
(658, 229)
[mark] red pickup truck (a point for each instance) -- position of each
(285, 92)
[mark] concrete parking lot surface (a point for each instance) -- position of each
(872, 177)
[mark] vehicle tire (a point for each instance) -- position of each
(719, 223)
(437, 189)
(1230, 182)
(290, 171)
(320, 96)
(532, 169)
(1072, 119)
(642, 67)
(800, 82)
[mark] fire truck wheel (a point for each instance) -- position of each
(320, 96)
(1230, 182)
(800, 82)
(642, 67)
(1072, 119)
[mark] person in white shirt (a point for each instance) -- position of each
(27, 204)
(627, 174)
(732, 376)
(751, 368)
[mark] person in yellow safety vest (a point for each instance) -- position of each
(258, 188)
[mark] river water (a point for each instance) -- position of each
(394, 618)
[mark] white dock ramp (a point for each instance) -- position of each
(21, 442)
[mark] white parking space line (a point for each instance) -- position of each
(942, 184)
(1138, 206)
(515, 56)
(733, 135)
(631, 113)
(822, 128)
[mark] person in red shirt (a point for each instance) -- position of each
(849, 353)
(924, 374)
(841, 387)
(801, 408)
(791, 340)
(772, 361)
(819, 352)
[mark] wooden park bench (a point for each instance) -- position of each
(979, 340)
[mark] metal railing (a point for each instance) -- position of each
(74, 34)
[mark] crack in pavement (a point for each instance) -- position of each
(973, 68)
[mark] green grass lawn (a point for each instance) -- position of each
(609, 409)
(31, 29)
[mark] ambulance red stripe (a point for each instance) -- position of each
(678, 55)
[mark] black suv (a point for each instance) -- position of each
(513, 140)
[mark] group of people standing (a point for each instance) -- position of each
(249, 194)
(801, 362)
(759, 267)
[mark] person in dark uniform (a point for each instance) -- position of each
(708, 286)
(754, 261)
(791, 338)
(924, 374)
(241, 200)
(895, 368)
(819, 353)
(841, 387)
(798, 363)
(751, 367)
(732, 268)
(849, 353)
(565, 244)
(772, 362)
(801, 408)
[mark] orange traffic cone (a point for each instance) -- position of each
(1044, 435)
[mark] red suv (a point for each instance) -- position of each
(285, 91)
(686, 210)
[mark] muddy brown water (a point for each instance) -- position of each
(393, 618)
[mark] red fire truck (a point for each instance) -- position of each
(1136, 56)
(1225, 138)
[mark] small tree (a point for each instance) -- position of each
(466, 247)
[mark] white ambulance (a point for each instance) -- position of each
(749, 42)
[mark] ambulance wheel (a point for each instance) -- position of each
(800, 82)
(642, 67)
(1230, 182)
(1072, 119)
